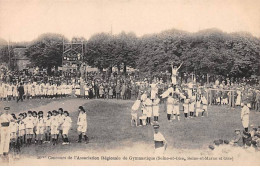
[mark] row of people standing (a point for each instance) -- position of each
(106, 91)
(125, 90)
(24, 129)
(29, 90)
(236, 96)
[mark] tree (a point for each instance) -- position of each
(98, 51)
(208, 51)
(4, 55)
(105, 51)
(46, 51)
(158, 51)
(126, 50)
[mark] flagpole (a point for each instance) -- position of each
(9, 56)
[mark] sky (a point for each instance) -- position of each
(25, 20)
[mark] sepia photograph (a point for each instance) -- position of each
(129, 82)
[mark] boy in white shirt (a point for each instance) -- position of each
(134, 109)
(54, 127)
(29, 123)
(176, 108)
(204, 106)
(37, 90)
(156, 103)
(60, 117)
(35, 120)
(14, 132)
(33, 90)
(198, 107)
(170, 102)
(66, 127)
(82, 124)
(186, 108)
(9, 91)
(192, 106)
(48, 127)
(86, 88)
(21, 129)
(149, 109)
(40, 127)
(160, 143)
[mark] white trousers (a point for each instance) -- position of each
(245, 121)
(5, 140)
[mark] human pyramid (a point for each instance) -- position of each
(193, 102)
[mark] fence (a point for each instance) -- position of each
(231, 96)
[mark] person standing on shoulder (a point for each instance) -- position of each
(175, 73)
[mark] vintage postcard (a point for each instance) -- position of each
(129, 82)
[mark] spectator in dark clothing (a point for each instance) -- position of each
(96, 91)
(117, 89)
(20, 92)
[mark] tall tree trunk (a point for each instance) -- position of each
(125, 69)
(49, 70)
(100, 69)
(118, 68)
(110, 70)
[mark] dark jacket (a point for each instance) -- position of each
(21, 90)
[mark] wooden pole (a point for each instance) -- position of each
(233, 98)
(81, 52)
(207, 79)
(9, 56)
(210, 102)
(230, 93)
(207, 96)
(62, 53)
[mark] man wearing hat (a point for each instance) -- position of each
(5, 120)
(160, 144)
(245, 116)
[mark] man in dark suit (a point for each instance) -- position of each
(20, 92)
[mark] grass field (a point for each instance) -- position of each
(109, 128)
